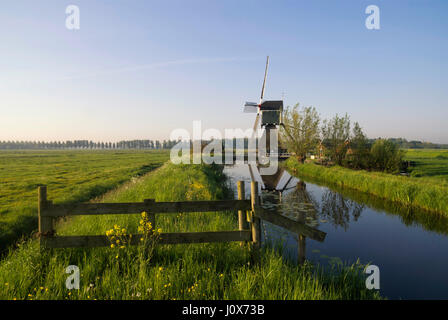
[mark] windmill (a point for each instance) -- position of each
(269, 111)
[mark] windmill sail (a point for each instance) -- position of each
(264, 80)
(257, 120)
(250, 107)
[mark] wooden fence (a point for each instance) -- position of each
(249, 214)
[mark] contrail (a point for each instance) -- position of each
(157, 65)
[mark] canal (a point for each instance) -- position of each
(409, 246)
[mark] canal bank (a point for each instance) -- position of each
(419, 193)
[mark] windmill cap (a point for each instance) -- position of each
(272, 105)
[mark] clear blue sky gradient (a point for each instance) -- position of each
(139, 69)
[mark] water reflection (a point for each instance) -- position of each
(289, 197)
(339, 207)
(299, 205)
(409, 216)
(337, 210)
(294, 201)
(401, 240)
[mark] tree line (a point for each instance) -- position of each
(86, 144)
(415, 144)
(337, 141)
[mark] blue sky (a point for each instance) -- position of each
(139, 69)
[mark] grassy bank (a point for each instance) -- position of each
(423, 193)
(72, 176)
(197, 271)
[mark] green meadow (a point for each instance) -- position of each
(195, 271)
(429, 163)
(71, 176)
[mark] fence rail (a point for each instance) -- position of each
(250, 214)
(291, 225)
(165, 238)
(59, 210)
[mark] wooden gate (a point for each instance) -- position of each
(249, 214)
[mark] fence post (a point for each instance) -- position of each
(242, 219)
(256, 231)
(302, 248)
(45, 222)
(151, 215)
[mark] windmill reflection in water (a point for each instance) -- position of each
(289, 197)
(301, 209)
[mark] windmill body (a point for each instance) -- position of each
(268, 111)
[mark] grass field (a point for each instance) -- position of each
(72, 176)
(428, 192)
(197, 271)
(429, 163)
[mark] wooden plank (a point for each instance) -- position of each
(165, 238)
(58, 210)
(291, 225)
(76, 242)
(203, 237)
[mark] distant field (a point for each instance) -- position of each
(70, 176)
(431, 163)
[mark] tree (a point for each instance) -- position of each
(359, 146)
(300, 130)
(386, 156)
(335, 135)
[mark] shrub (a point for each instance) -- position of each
(386, 156)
